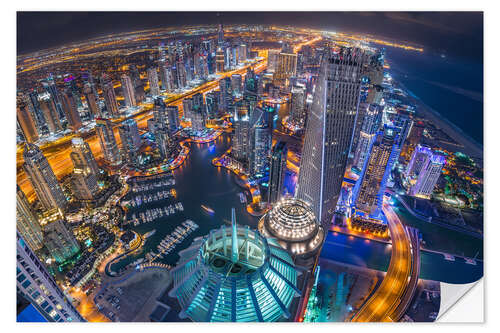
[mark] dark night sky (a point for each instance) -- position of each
(455, 33)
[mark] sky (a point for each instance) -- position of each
(458, 34)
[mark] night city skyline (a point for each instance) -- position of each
(247, 166)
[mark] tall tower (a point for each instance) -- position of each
(108, 91)
(277, 172)
(154, 88)
(107, 140)
(26, 121)
(369, 190)
(85, 170)
(27, 222)
(92, 100)
(298, 106)
(42, 179)
(128, 91)
(50, 113)
(36, 284)
(131, 140)
(60, 242)
(82, 156)
(369, 127)
(430, 170)
(219, 60)
(329, 131)
(71, 110)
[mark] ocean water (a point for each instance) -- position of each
(451, 86)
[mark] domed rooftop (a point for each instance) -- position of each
(234, 274)
(292, 222)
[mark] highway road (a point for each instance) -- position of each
(384, 302)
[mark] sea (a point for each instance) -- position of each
(451, 86)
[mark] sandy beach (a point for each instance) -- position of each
(470, 146)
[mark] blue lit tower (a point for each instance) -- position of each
(235, 275)
(329, 131)
(35, 283)
(108, 92)
(369, 127)
(369, 190)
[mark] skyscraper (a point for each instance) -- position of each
(85, 170)
(131, 140)
(36, 284)
(128, 91)
(154, 88)
(107, 140)
(329, 131)
(108, 92)
(50, 113)
(225, 95)
(298, 106)
(219, 60)
(25, 120)
(82, 156)
(260, 143)
(173, 118)
(60, 242)
(236, 84)
(42, 179)
(286, 68)
(92, 100)
(71, 110)
(369, 127)
(426, 169)
(369, 190)
(27, 222)
(241, 136)
(277, 172)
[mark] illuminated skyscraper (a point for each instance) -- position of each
(368, 193)
(236, 84)
(241, 136)
(277, 172)
(42, 179)
(235, 275)
(424, 171)
(50, 113)
(329, 131)
(92, 100)
(212, 104)
(369, 127)
(60, 242)
(293, 224)
(286, 68)
(260, 143)
(173, 118)
(27, 222)
(25, 120)
(71, 110)
(107, 140)
(128, 91)
(130, 139)
(298, 106)
(166, 77)
(35, 283)
(219, 60)
(225, 95)
(82, 156)
(272, 60)
(108, 92)
(154, 88)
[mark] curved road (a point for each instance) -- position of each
(383, 304)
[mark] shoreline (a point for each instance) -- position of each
(470, 146)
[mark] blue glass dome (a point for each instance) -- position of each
(215, 281)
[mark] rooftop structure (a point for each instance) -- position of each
(235, 274)
(292, 222)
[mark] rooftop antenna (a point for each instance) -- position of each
(234, 242)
